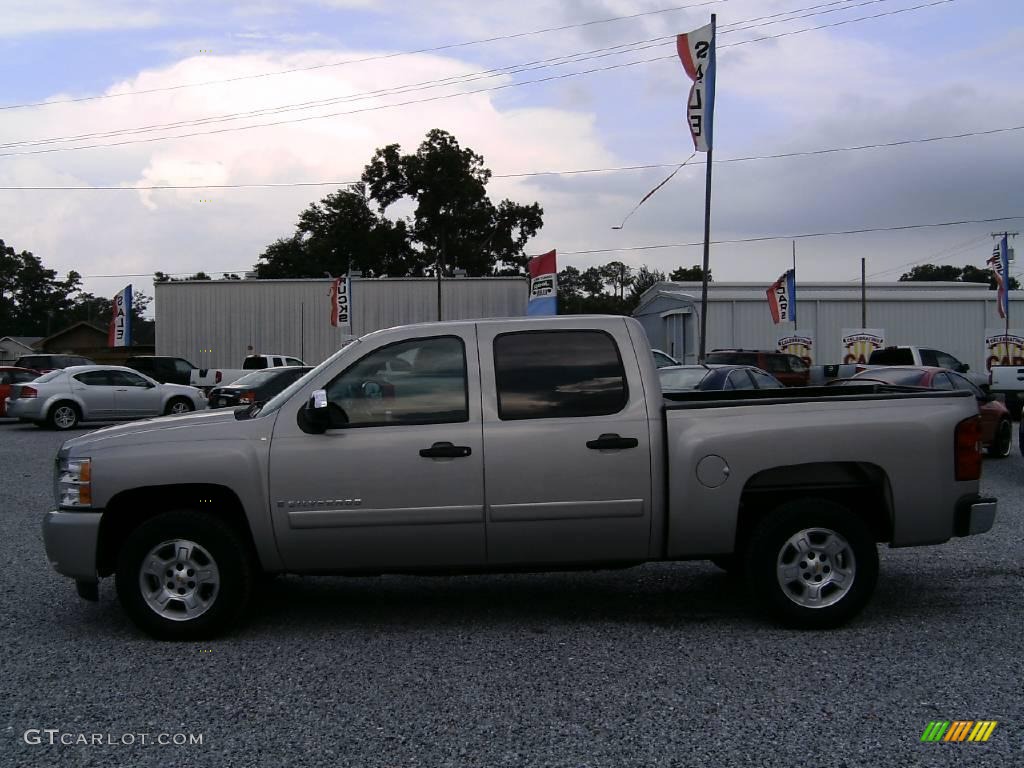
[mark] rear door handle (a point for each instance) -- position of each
(612, 442)
(446, 451)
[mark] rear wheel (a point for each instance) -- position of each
(63, 416)
(184, 575)
(812, 564)
(179, 405)
(1003, 441)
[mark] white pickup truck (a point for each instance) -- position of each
(510, 445)
(1008, 381)
(207, 378)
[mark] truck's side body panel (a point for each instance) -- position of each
(909, 439)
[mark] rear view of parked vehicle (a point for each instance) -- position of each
(1008, 381)
(61, 399)
(704, 378)
(10, 376)
(788, 369)
(166, 370)
(255, 387)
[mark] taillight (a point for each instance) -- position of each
(28, 392)
(217, 376)
(967, 453)
(247, 397)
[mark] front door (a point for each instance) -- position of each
(135, 396)
(568, 449)
(400, 485)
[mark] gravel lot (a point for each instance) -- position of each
(659, 665)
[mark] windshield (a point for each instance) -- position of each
(681, 378)
(281, 397)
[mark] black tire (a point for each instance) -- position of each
(178, 401)
(63, 415)
(234, 569)
(1003, 440)
(768, 547)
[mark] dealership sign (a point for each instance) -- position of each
(341, 307)
(119, 331)
(1004, 347)
(800, 344)
(859, 343)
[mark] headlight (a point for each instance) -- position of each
(74, 483)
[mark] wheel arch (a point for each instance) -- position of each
(129, 509)
(861, 487)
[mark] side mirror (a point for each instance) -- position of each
(963, 368)
(319, 414)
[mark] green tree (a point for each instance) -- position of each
(618, 276)
(454, 223)
(948, 273)
(33, 302)
(692, 274)
(643, 279)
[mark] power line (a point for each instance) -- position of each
(460, 93)
(505, 71)
(795, 237)
(763, 238)
(942, 255)
(378, 57)
(528, 174)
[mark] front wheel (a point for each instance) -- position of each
(1003, 440)
(812, 564)
(184, 575)
(178, 406)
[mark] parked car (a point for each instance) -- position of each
(663, 359)
(924, 357)
(1008, 381)
(10, 375)
(166, 370)
(701, 378)
(996, 425)
(61, 399)
(367, 466)
(207, 378)
(47, 363)
(789, 369)
(255, 387)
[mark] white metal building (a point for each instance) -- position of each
(213, 322)
(950, 316)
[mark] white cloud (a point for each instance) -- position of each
(29, 17)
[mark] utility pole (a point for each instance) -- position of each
(441, 257)
(707, 219)
(1006, 277)
(863, 294)
(796, 317)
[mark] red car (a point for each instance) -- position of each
(996, 426)
(10, 375)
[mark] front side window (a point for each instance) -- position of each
(127, 379)
(738, 380)
(182, 367)
(796, 364)
(292, 361)
(959, 382)
(558, 374)
(947, 361)
(420, 381)
(929, 357)
(778, 364)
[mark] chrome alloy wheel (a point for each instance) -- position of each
(179, 580)
(65, 417)
(816, 567)
(180, 407)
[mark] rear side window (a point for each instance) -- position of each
(764, 381)
(49, 376)
(738, 380)
(778, 364)
(892, 357)
(558, 374)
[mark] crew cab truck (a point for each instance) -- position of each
(207, 378)
(1008, 381)
(509, 445)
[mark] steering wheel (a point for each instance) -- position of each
(370, 391)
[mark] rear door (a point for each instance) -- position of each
(568, 469)
(96, 391)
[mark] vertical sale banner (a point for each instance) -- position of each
(782, 298)
(799, 343)
(341, 307)
(1004, 347)
(119, 332)
(859, 343)
(696, 51)
(543, 285)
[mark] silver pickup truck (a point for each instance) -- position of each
(503, 445)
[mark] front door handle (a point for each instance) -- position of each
(446, 451)
(612, 442)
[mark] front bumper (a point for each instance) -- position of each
(71, 540)
(974, 515)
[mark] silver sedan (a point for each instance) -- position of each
(63, 398)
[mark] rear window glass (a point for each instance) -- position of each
(906, 378)
(254, 363)
(732, 358)
(892, 357)
(681, 378)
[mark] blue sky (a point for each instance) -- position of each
(947, 69)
